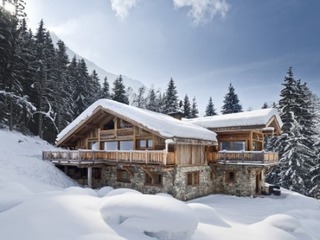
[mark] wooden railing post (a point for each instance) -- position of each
(131, 155)
(242, 154)
(79, 153)
(146, 156)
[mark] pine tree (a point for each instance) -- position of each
(194, 108)
(265, 105)
(295, 146)
(231, 102)
(138, 99)
(105, 91)
(186, 107)
(119, 92)
(94, 87)
(171, 98)
(63, 102)
(153, 101)
(210, 110)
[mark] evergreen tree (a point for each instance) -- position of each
(210, 110)
(152, 101)
(63, 102)
(295, 146)
(138, 98)
(119, 92)
(171, 98)
(265, 105)
(194, 108)
(186, 107)
(94, 87)
(231, 102)
(105, 91)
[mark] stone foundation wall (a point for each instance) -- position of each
(245, 183)
(174, 180)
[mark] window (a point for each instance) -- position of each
(110, 146)
(193, 178)
(123, 176)
(230, 176)
(96, 173)
(145, 143)
(212, 175)
(153, 179)
(109, 125)
(123, 124)
(233, 146)
(93, 145)
(126, 145)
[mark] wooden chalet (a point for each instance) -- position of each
(113, 144)
(240, 162)
(123, 146)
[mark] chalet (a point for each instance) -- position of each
(113, 144)
(239, 163)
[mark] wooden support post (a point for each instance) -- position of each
(90, 177)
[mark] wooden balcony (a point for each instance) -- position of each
(90, 157)
(243, 157)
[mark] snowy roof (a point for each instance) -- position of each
(164, 125)
(251, 118)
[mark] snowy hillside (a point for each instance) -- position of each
(38, 202)
(128, 82)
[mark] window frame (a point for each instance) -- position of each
(193, 178)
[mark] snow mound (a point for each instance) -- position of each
(120, 191)
(284, 222)
(80, 191)
(104, 191)
(208, 215)
(156, 216)
(100, 236)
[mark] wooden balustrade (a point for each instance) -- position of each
(243, 157)
(89, 157)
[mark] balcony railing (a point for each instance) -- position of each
(81, 157)
(245, 157)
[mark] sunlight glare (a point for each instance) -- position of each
(10, 7)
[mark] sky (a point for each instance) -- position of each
(204, 45)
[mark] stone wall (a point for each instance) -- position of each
(245, 179)
(174, 180)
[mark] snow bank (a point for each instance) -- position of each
(208, 215)
(157, 216)
(283, 222)
(21, 162)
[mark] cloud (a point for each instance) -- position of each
(203, 11)
(122, 7)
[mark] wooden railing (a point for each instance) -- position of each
(254, 157)
(79, 157)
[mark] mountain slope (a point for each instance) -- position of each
(129, 82)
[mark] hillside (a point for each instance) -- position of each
(128, 82)
(38, 201)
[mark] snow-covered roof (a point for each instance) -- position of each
(164, 125)
(251, 118)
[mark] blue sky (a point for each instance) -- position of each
(204, 45)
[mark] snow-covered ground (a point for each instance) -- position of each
(37, 201)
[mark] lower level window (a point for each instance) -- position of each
(230, 176)
(123, 176)
(153, 178)
(193, 178)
